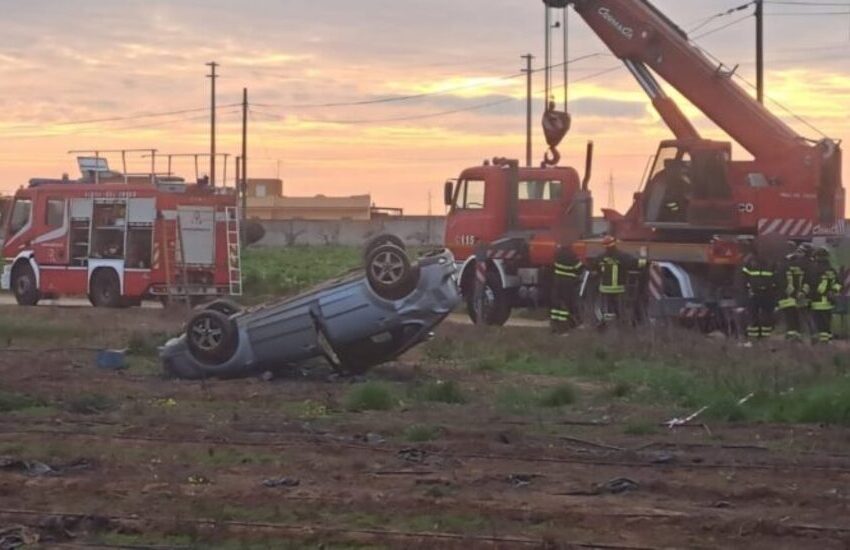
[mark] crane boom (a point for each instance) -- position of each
(644, 38)
(792, 186)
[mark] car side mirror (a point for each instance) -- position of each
(449, 193)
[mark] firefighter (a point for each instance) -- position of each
(761, 285)
(613, 267)
(565, 289)
(794, 289)
(824, 288)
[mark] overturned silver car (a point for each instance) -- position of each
(358, 321)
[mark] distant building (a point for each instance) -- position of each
(266, 202)
(265, 188)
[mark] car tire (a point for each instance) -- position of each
(497, 308)
(390, 273)
(211, 337)
(227, 307)
(24, 285)
(105, 289)
(380, 240)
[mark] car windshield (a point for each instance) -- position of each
(20, 215)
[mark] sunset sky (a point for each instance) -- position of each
(65, 62)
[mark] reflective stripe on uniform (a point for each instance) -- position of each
(822, 305)
(787, 303)
(560, 315)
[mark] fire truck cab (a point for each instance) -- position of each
(121, 238)
(516, 217)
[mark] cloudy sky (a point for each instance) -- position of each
(67, 63)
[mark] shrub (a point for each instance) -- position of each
(420, 433)
(15, 402)
(371, 396)
(93, 403)
(559, 396)
(441, 392)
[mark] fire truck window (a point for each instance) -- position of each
(540, 190)
(471, 196)
(55, 213)
(139, 244)
(108, 234)
(20, 215)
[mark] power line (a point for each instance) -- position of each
(797, 117)
(721, 28)
(813, 4)
(808, 13)
(719, 15)
(157, 124)
(424, 116)
(396, 99)
(140, 116)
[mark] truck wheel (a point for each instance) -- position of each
(390, 273)
(211, 337)
(495, 303)
(24, 285)
(380, 240)
(105, 289)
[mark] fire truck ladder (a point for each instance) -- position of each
(234, 251)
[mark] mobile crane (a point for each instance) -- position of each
(698, 207)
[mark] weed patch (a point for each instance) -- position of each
(420, 433)
(93, 403)
(372, 396)
(10, 402)
(559, 396)
(441, 392)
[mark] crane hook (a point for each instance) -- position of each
(551, 158)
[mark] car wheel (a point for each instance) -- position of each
(24, 285)
(493, 304)
(105, 289)
(211, 337)
(390, 273)
(381, 240)
(227, 307)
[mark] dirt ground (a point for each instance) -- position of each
(138, 461)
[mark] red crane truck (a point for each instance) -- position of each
(120, 238)
(791, 188)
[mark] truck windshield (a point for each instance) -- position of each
(20, 216)
(470, 195)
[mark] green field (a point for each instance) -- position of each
(285, 271)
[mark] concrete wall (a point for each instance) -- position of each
(414, 230)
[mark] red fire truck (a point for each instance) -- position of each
(120, 238)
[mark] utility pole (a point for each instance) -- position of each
(528, 74)
(244, 154)
(760, 50)
(212, 76)
(612, 202)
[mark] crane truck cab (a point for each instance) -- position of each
(512, 219)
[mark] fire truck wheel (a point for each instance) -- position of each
(390, 273)
(24, 285)
(211, 337)
(494, 302)
(380, 240)
(105, 289)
